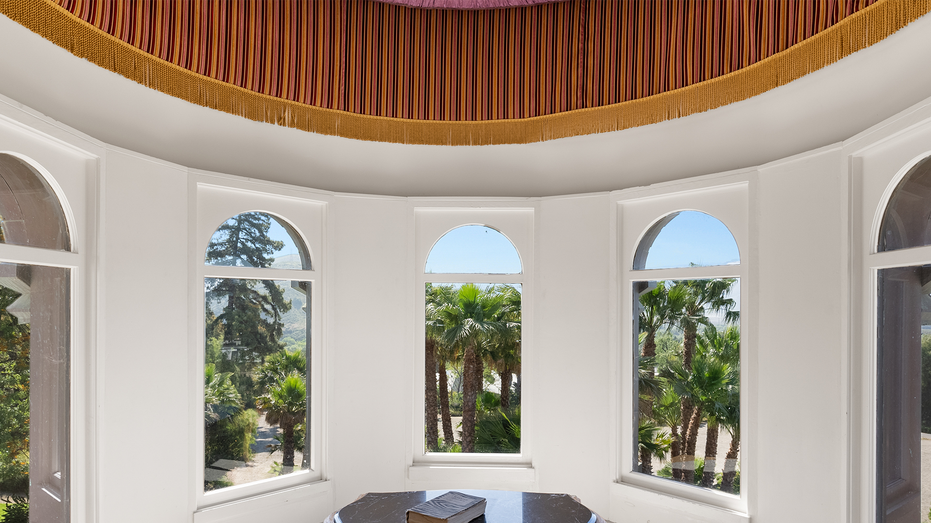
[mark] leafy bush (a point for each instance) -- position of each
(232, 438)
(498, 431)
(666, 471)
(488, 401)
(16, 512)
(455, 403)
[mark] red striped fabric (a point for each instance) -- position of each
(383, 59)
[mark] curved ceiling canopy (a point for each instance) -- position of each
(376, 70)
(466, 4)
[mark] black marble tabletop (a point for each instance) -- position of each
(502, 507)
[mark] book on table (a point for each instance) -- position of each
(452, 507)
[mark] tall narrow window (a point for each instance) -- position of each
(904, 352)
(472, 392)
(687, 361)
(35, 344)
(258, 348)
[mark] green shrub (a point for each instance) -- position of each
(16, 512)
(666, 471)
(488, 401)
(498, 431)
(455, 403)
(232, 438)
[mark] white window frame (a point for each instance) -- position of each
(725, 197)
(76, 193)
(872, 187)
(431, 221)
(217, 199)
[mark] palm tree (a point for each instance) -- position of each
(221, 400)
(723, 347)
(467, 323)
(503, 346)
(285, 405)
(658, 307)
(280, 365)
(666, 412)
(437, 356)
(220, 397)
(701, 297)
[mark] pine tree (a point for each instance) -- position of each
(251, 318)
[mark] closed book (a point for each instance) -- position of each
(452, 507)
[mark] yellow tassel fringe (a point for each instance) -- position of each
(850, 35)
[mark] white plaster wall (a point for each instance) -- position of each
(798, 425)
(370, 346)
(143, 469)
(571, 440)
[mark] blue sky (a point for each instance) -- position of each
(473, 249)
(277, 232)
(693, 237)
(690, 237)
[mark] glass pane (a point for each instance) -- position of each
(907, 222)
(473, 374)
(473, 249)
(687, 239)
(904, 394)
(687, 426)
(30, 213)
(34, 397)
(257, 239)
(256, 394)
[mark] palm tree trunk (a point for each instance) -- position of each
(506, 377)
(691, 440)
(646, 403)
(470, 362)
(517, 387)
(685, 421)
(730, 465)
(711, 454)
(448, 437)
(288, 446)
(689, 336)
(676, 453)
(430, 395)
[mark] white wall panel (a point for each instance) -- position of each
(144, 462)
(370, 352)
(799, 421)
(571, 452)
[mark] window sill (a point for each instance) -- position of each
(633, 503)
(505, 477)
(311, 498)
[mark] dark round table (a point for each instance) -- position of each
(502, 507)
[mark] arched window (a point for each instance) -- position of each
(35, 344)
(684, 273)
(473, 249)
(473, 325)
(473, 356)
(686, 239)
(258, 293)
(903, 350)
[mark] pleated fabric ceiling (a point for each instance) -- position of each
(472, 73)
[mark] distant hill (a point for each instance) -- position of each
(295, 320)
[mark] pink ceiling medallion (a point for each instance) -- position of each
(467, 4)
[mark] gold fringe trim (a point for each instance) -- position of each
(82, 39)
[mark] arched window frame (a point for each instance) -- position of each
(220, 198)
(725, 198)
(75, 194)
(888, 167)
(431, 222)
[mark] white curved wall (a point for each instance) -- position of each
(142, 416)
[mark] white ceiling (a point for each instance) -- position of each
(824, 107)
